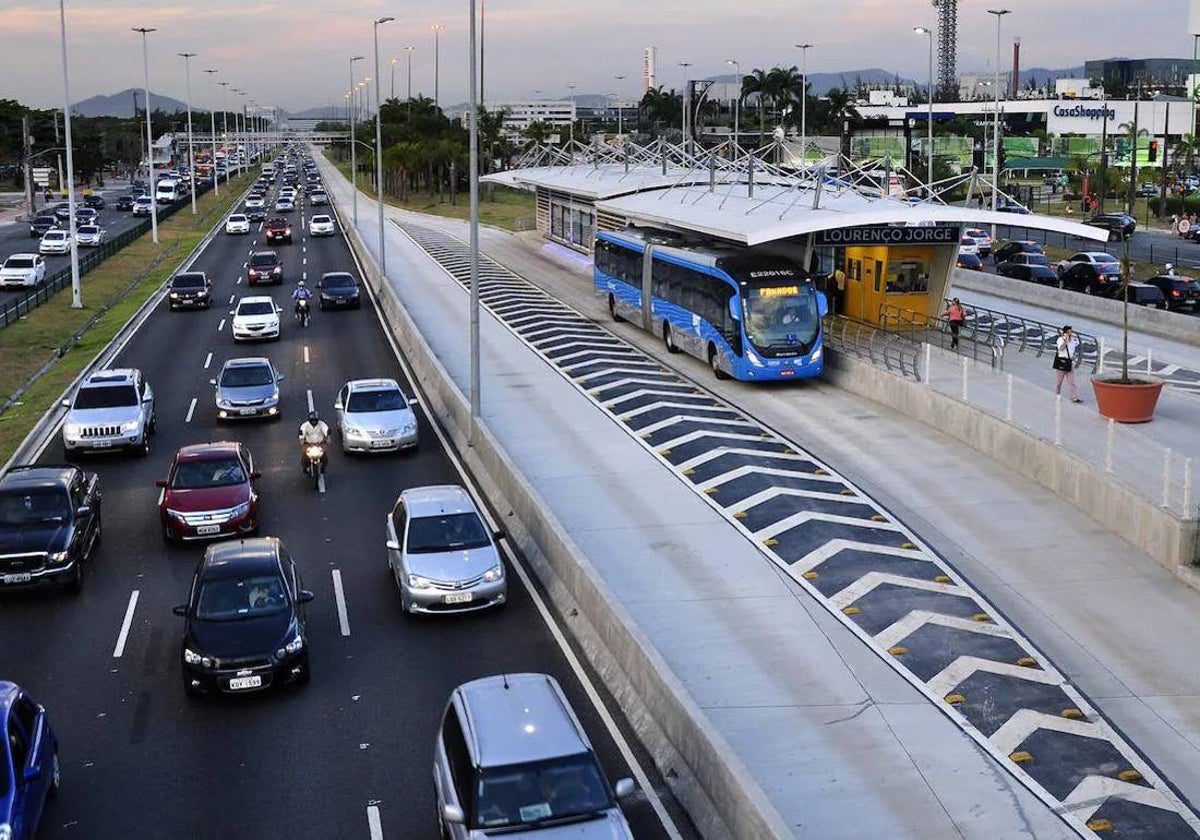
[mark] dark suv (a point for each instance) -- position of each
(1018, 246)
(190, 290)
(264, 267)
(1181, 292)
(41, 223)
(1118, 225)
(1091, 278)
(49, 525)
(278, 230)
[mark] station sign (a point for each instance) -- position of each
(891, 235)
(41, 175)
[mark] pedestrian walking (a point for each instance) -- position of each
(838, 290)
(1065, 354)
(956, 315)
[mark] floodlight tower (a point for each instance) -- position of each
(947, 48)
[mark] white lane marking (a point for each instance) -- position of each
(339, 596)
(239, 281)
(305, 275)
(373, 823)
(221, 325)
(304, 249)
(321, 483)
(191, 409)
(310, 400)
(304, 261)
(305, 354)
(119, 650)
(589, 688)
(232, 298)
(207, 360)
(260, 226)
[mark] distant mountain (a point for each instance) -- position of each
(121, 104)
(321, 112)
(1043, 77)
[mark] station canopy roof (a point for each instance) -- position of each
(709, 192)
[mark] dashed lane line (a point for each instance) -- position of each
(123, 636)
(339, 596)
(208, 360)
(374, 826)
(191, 410)
(221, 325)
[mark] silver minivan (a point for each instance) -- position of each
(512, 757)
(441, 553)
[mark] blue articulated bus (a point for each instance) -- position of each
(750, 316)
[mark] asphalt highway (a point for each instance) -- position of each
(348, 755)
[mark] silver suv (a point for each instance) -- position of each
(511, 756)
(441, 554)
(113, 409)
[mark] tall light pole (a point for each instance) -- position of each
(379, 142)
(392, 62)
(409, 50)
(187, 68)
(804, 101)
(620, 112)
(437, 30)
(474, 213)
(999, 13)
(212, 115)
(225, 125)
(737, 102)
(353, 153)
(76, 292)
(686, 100)
(571, 128)
(926, 31)
(149, 140)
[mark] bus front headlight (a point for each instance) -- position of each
(753, 358)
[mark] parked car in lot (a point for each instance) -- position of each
(112, 409)
(321, 225)
(245, 628)
(971, 262)
(1029, 272)
(55, 242)
(338, 289)
(1180, 292)
(49, 525)
(41, 223)
(1017, 246)
(90, 236)
(190, 290)
(512, 758)
(1119, 225)
(29, 770)
(247, 388)
(374, 415)
(1140, 294)
(264, 267)
(255, 318)
(24, 270)
(237, 223)
(441, 554)
(211, 491)
(1090, 278)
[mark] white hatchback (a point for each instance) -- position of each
(237, 223)
(55, 242)
(255, 318)
(320, 225)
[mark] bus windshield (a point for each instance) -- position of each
(781, 319)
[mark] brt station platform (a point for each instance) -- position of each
(885, 634)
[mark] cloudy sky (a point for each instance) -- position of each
(296, 53)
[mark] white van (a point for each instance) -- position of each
(168, 191)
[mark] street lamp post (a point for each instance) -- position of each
(437, 30)
(392, 66)
(737, 102)
(212, 115)
(225, 123)
(686, 99)
(409, 49)
(187, 66)
(571, 127)
(379, 142)
(620, 112)
(999, 13)
(353, 153)
(924, 30)
(474, 213)
(803, 102)
(149, 140)
(76, 291)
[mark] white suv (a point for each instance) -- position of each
(23, 270)
(113, 409)
(237, 223)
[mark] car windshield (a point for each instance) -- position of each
(106, 396)
(236, 598)
(448, 532)
(30, 507)
(390, 400)
(54, 235)
(19, 262)
(337, 281)
(246, 376)
(257, 307)
(188, 281)
(320, 220)
(1036, 259)
(209, 472)
(263, 260)
(780, 317)
(540, 792)
(237, 218)
(1103, 258)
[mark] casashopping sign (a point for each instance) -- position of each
(1085, 112)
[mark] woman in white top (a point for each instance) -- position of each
(1065, 353)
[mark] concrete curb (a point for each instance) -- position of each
(718, 791)
(1167, 538)
(1156, 322)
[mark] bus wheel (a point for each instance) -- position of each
(714, 362)
(612, 308)
(668, 339)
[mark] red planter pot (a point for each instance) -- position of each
(1131, 402)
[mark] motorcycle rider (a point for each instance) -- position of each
(313, 432)
(302, 292)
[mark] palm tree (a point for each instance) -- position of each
(662, 108)
(538, 132)
(784, 85)
(1132, 133)
(755, 83)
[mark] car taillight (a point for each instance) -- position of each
(1174, 293)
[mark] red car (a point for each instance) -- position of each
(278, 230)
(264, 267)
(210, 492)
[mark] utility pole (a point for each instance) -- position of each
(27, 145)
(58, 142)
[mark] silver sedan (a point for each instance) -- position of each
(374, 415)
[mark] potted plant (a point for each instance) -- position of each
(1125, 398)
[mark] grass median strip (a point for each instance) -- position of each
(36, 343)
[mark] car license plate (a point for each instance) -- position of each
(242, 683)
(380, 444)
(458, 598)
(24, 577)
(247, 411)
(205, 530)
(102, 444)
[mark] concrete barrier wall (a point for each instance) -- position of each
(1158, 532)
(1143, 319)
(721, 796)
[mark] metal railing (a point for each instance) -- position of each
(893, 351)
(970, 342)
(1027, 334)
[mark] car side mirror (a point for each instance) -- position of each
(162, 482)
(499, 534)
(180, 610)
(393, 545)
(413, 401)
(212, 382)
(83, 510)
(625, 788)
(32, 774)
(65, 403)
(337, 406)
(256, 474)
(305, 596)
(279, 377)
(453, 814)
